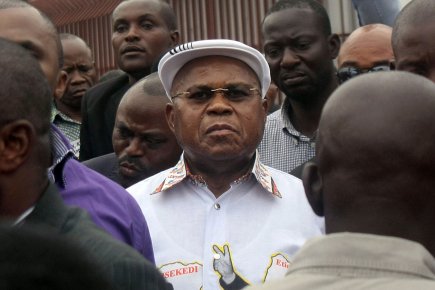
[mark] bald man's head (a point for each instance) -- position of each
(376, 158)
(413, 38)
(142, 140)
(23, 24)
(368, 48)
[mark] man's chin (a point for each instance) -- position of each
(127, 181)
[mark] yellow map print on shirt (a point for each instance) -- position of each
(179, 273)
(224, 268)
(277, 268)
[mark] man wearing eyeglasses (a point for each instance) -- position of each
(81, 75)
(367, 49)
(220, 219)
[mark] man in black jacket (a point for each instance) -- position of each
(142, 31)
(27, 196)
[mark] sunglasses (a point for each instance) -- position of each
(349, 72)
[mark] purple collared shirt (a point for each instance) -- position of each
(110, 206)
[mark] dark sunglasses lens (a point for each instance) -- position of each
(346, 73)
(379, 68)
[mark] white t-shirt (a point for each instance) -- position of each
(246, 236)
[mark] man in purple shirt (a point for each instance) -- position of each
(108, 204)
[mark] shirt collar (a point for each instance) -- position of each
(56, 114)
(286, 124)
(181, 171)
(60, 151)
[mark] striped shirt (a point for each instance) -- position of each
(69, 127)
(282, 146)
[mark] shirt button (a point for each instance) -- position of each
(217, 206)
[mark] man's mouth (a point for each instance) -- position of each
(220, 128)
(132, 50)
(292, 79)
(128, 169)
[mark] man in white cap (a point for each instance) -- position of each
(220, 219)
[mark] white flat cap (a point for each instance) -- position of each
(177, 57)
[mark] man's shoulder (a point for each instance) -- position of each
(109, 84)
(274, 124)
(148, 185)
(78, 173)
(123, 264)
(275, 117)
(285, 182)
(99, 195)
(82, 229)
(103, 90)
(106, 165)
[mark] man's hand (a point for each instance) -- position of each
(223, 265)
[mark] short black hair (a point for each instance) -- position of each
(167, 12)
(310, 4)
(415, 12)
(25, 93)
(5, 4)
(36, 257)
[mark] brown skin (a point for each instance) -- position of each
(81, 75)
(300, 57)
(415, 49)
(366, 47)
(142, 140)
(219, 137)
(140, 36)
(369, 178)
(26, 26)
(20, 149)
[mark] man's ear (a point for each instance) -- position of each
(170, 117)
(392, 64)
(265, 105)
(175, 37)
(61, 85)
(16, 140)
(313, 187)
(334, 44)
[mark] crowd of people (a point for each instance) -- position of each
(171, 172)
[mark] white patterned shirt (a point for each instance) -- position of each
(282, 147)
(69, 127)
(246, 236)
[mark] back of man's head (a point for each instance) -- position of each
(25, 93)
(5, 4)
(376, 158)
(25, 98)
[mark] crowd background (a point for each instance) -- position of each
(197, 19)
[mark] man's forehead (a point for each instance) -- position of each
(202, 66)
(142, 7)
(203, 62)
(298, 18)
(76, 47)
(25, 20)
